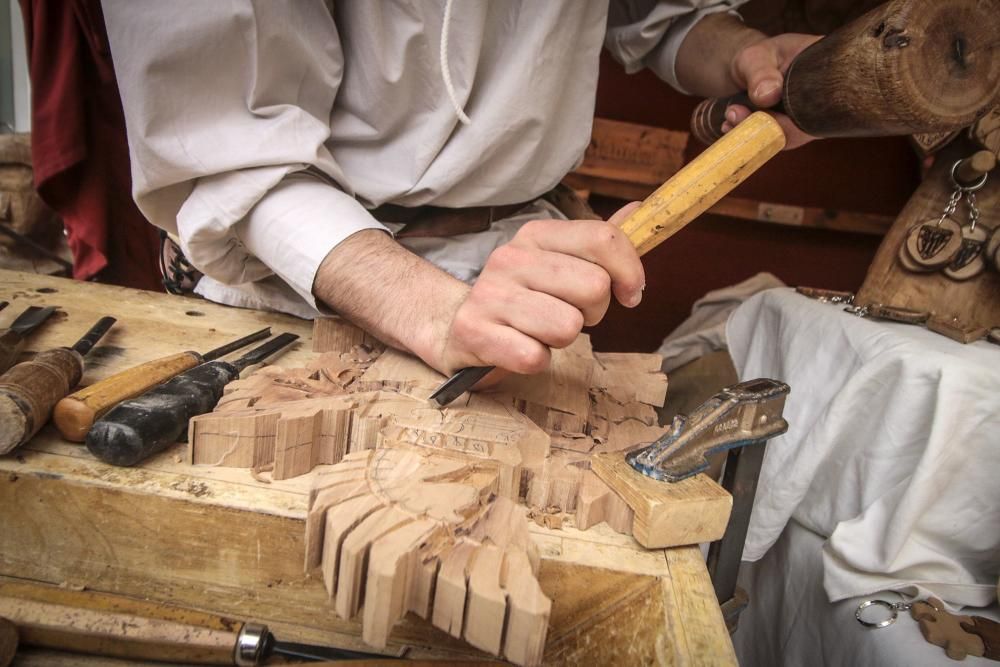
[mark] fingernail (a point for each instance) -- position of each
(726, 127)
(636, 297)
(731, 116)
(765, 88)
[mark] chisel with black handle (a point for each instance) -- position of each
(75, 414)
(142, 426)
(30, 389)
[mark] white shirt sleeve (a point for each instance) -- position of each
(226, 104)
(648, 33)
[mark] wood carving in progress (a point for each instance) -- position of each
(402, 529)
(426, 509)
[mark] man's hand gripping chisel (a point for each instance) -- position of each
(29, 390)
(692, 190)
(75, 414)
(142, 426)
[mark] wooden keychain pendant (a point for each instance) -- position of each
(970, 260)
(933, 244)
(903, 256)
(993, 248)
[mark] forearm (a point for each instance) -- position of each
(400, 298)
(704, 60)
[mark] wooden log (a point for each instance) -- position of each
(905, 67)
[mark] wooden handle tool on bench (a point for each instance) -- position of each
(30, 389)
(689, 193)
(75, 414)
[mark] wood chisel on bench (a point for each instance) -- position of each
(75, 414)
(689, 193)
(30, 389)
(115, 633)
(13, 339)
(142, 426)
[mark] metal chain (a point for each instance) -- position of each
(949, 209)
(970, 197)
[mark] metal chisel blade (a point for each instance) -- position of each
(89, 339)
(31, 319)
(258, 354)
(459, 383)
(236, 344)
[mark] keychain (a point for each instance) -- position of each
(826, 295)
(936, 244)
(992, 250)
(880, 311)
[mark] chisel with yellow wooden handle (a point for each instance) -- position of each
(76, 413)
(689, 193)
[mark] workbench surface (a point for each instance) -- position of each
(218, 540)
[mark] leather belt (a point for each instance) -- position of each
(437, 221)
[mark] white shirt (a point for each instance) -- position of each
(227, 104)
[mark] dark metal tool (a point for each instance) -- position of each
(743, 414)
(459, 383)
(740, 419)
(75, 414)
(30, 389)
(13, 339)
(255, 644)
(142, 426)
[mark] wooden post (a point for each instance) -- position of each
(907, 66)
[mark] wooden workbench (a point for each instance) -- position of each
(217, 540)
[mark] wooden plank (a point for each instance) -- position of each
(691, 511)
(802, 216)
(742, 208)
(630, 152)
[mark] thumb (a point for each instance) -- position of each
(756, 69)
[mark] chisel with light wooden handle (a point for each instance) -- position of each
(689, 193)
(75, 414)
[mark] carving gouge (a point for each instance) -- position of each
(75, 414)
(29, 390)
(700, 184)
(142, 426)
(14, 338)
(113, 633)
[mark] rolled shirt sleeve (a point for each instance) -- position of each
(649, 33)
(226, 105)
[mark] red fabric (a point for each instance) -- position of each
(79, 148)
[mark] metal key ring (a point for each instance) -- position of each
(893, 609)
(967, 188)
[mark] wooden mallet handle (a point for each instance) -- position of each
(704, 181)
